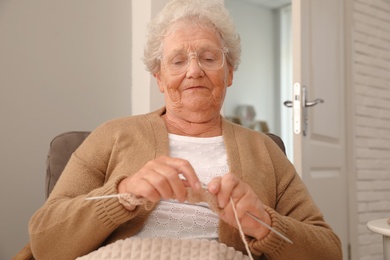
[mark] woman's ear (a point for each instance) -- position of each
(230, 76)
(157, 75)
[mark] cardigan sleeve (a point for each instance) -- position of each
(67, 225)
(296, 215)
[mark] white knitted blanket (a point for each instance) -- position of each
(165, 248)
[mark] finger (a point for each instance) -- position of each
(146, 190)
(228, 184)
(214, 185)
(168, 181)
(246, 203)
(172, 186)
(161, 177)
(160, 183)
(240, 207)
(185, 168)
(165, 180)
(150, 183)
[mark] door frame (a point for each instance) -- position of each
(350, 136)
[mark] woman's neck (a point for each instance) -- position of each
(181, 126)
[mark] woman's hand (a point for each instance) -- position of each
(160, 179)
(245, 200)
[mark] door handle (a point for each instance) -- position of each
(314, 102)
(300, 108)
(289, 103)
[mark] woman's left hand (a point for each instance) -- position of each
(244, 199)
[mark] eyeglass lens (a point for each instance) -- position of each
(178, 62)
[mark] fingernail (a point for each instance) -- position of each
(198, 186)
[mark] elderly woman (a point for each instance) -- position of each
(158, 158)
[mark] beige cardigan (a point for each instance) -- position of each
(67, 226)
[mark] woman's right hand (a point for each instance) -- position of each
(160, 179)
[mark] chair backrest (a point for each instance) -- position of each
(62, 146)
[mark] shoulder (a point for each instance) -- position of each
(134, 123)
(127, 129)
(254, 142)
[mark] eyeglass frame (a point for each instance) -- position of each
(195, 55)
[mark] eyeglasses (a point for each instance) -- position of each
(178, 62)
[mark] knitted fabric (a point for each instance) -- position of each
(203, 196)
(192, 197)
(129, 200)
(165, 248)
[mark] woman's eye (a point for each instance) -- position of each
(207, 57)
(178, 60)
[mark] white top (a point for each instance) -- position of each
(380, 226)
(172, 219)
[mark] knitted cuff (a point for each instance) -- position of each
(271, 243)
(110, 211)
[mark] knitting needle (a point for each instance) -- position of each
(204, 186)
(103, 197)
(269, 227)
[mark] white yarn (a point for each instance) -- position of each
(240, 229)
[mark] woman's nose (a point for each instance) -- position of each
(194, 69)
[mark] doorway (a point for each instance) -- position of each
(264, 77)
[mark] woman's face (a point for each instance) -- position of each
(196, 94)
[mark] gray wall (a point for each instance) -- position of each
(64, 65)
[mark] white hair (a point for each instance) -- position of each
(208, 13)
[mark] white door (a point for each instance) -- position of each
(320, 149)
